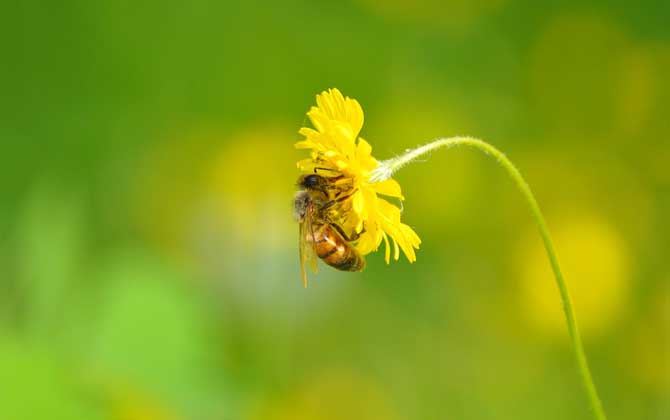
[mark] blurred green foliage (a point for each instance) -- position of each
(149, 262)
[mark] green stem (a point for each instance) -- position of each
(388, 167)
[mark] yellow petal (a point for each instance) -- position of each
(387, 250)
(348, 138)
(396, 250)
(388, 211)
(408, 240)
(354, 115)
(306, 144)
(327, 102)
(308, 132)
(341, 164)
(407, 250)
(366, 243)
(390, 187)
(305, 165)
(363, 150)
(358, 202)
(364, 155)
(319, 120)
(411, 236)
(370, 202)
(335, 107)
(359, 226)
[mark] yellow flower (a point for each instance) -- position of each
(337, 151)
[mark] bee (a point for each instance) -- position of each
(318, 235)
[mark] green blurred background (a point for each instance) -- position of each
(148, 259)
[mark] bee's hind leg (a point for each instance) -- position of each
(354, 236)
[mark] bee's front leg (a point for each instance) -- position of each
(331, 203)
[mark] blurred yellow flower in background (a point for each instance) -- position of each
(329, 396)
(252, 205)
(337, 151)
(132, 404)
(595, 261)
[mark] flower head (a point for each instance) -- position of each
(337, 151)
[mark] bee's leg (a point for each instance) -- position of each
(335, 180)
(354, 236)
(337, 200)
(340, 231)
(341, 180)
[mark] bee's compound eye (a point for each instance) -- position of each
(311, 181)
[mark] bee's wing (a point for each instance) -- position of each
(306, 246)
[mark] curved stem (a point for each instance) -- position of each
(388, 167)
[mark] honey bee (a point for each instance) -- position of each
(319, 236)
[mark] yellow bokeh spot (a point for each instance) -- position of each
(208, 189)
(331, 396)
(595, 263)
(131, 403)
(142, 410)
(250, 184)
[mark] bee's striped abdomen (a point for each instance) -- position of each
(336, 252)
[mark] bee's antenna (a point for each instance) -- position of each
(325, 169)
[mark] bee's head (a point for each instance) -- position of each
(312, 181)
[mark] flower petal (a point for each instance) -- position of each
(306, 144)
(358, 202)
(387, 249)
(396, 250)
(332, 105)
(363, 149)
(390, 187)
